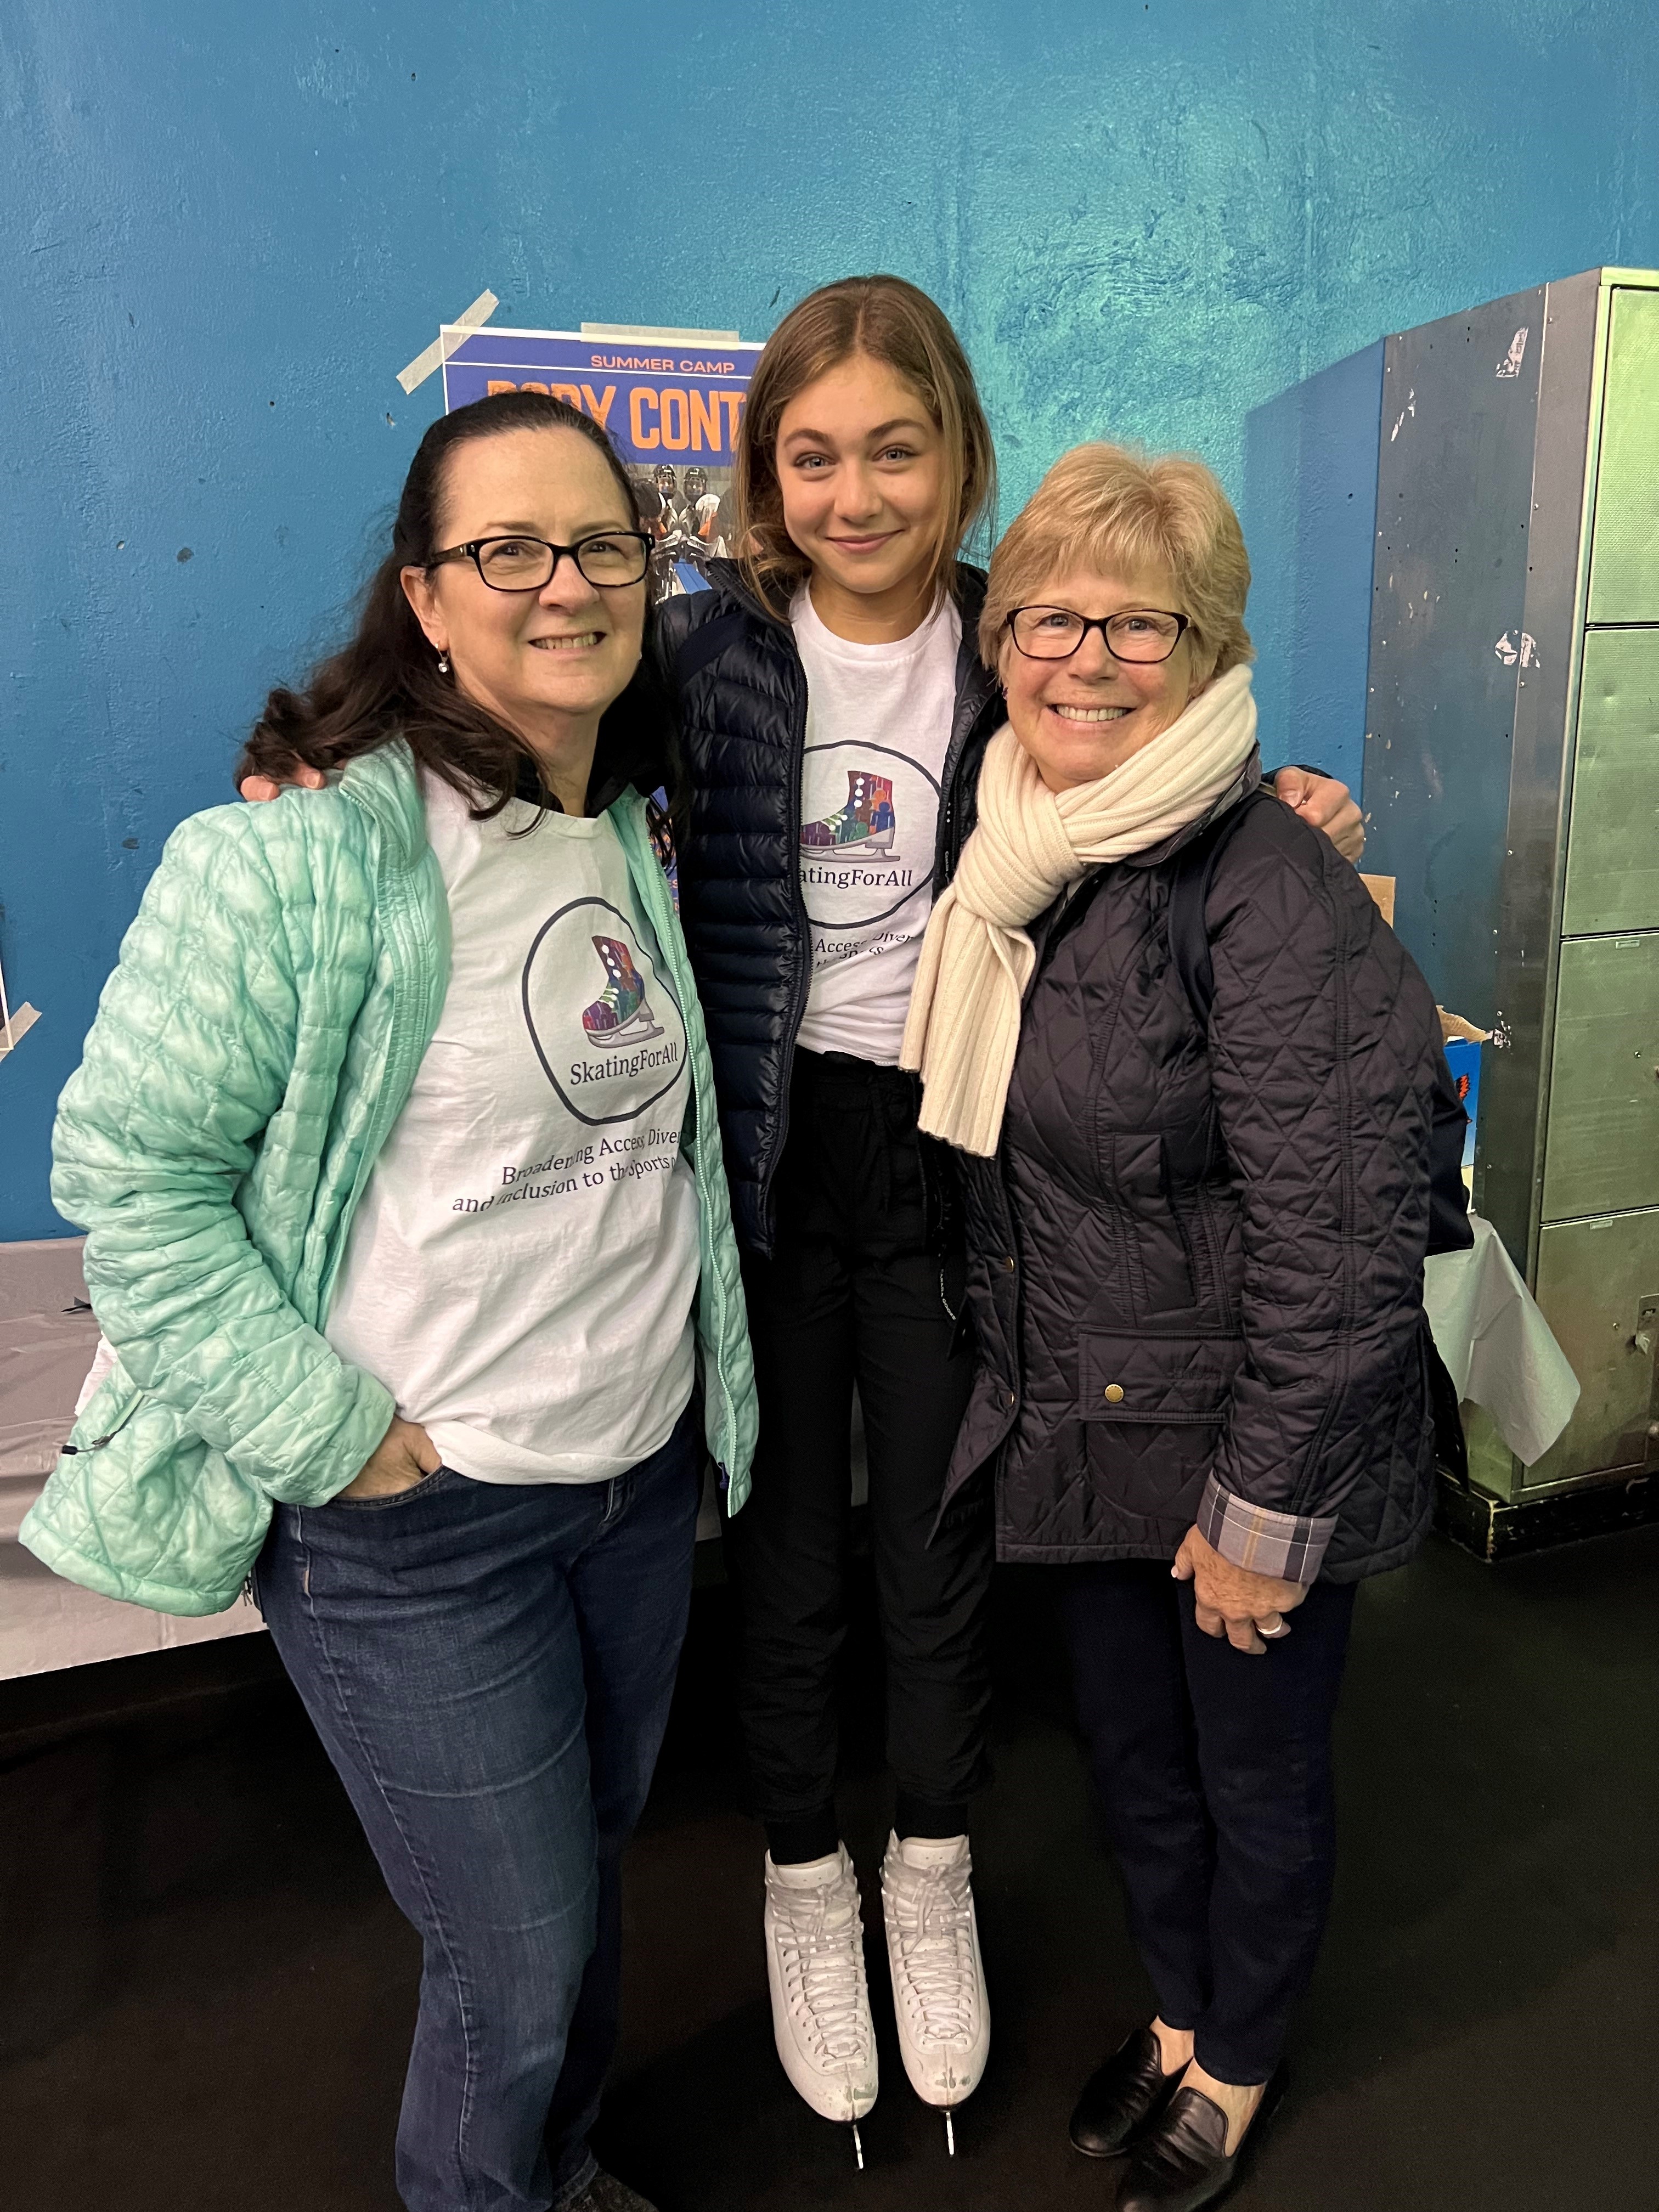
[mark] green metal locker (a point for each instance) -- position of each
(1512, 788)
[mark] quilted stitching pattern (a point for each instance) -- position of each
(1299, 1250)
(256, 1042)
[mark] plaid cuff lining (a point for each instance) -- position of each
(1290, 1545)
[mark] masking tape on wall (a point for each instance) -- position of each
(447, 341)
(12, 1031)
(654, 330)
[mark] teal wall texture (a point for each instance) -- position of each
(227, 228)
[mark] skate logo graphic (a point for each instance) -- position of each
(619, 1017)
(601, 1014)
(866, 841)
(866, 824)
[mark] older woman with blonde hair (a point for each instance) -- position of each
(1194, 1075)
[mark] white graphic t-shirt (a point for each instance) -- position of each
(877, 729)
(523, 1261)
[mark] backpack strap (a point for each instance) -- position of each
(1189, 891)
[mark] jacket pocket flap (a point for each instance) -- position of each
(1127, 1376)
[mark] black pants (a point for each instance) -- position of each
(856, 1291)
(1215, 1767)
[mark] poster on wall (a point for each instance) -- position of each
(671, 400)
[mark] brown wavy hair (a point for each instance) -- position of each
(384, 684)
(895, 323)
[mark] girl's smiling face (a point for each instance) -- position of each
(859, 463)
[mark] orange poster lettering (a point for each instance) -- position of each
(705, 421)
(638, 400)
(675, 434)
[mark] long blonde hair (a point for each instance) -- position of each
(894, 323)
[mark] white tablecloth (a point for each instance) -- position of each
(1498, 1347)
(45, 1347)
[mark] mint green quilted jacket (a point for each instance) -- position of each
(254, 1048)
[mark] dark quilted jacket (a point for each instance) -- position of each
(741, 697)
(1196, 1256)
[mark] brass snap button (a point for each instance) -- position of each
(1114, 1394)
(1008, 1261)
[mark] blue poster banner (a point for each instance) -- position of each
(670, 406)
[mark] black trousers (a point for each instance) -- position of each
(1215, 1769)
(857, 1291)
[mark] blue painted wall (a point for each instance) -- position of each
(227, 228)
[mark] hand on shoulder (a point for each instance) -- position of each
(1325, 804)
(257, 789)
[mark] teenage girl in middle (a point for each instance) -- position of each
(834, 712)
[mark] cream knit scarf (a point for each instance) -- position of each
(1030, 843)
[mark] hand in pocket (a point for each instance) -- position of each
(404, 1455)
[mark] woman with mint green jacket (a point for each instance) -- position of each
(396, 1146)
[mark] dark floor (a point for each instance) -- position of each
(206, 1997)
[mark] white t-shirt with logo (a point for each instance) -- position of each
(522, 1264)
(877, 729)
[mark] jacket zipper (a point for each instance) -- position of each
(804, 946)
(403, 923)
(659, 906)
(967, 720)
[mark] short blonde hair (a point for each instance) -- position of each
(1114, 509)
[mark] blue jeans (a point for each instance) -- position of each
(489, 1668)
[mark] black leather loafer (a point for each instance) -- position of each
(1120, 2098)
(1182, 2162)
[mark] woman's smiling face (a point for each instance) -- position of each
(532, 658)
(1081, 718)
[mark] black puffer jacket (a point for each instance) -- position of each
(740, 692)
(1203, 1255)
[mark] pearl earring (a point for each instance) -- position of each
(443, 664)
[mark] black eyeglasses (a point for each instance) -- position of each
(1143, 634)
(609, 558)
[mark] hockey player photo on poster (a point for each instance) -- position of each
(671, 401)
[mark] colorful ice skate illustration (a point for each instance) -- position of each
(619, 1016)
(866, 824)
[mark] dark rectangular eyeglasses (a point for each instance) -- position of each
(1139, 634)
(608, 558)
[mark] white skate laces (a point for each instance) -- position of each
(820, 2002)
(939, 1998)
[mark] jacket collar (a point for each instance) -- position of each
(385, 785)
(1071, 901)
(977, 686)
(1245, 782)
(727, 577)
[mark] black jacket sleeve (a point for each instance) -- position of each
(1324, 1046)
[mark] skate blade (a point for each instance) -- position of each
(858, 2144)
(950, 2134)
